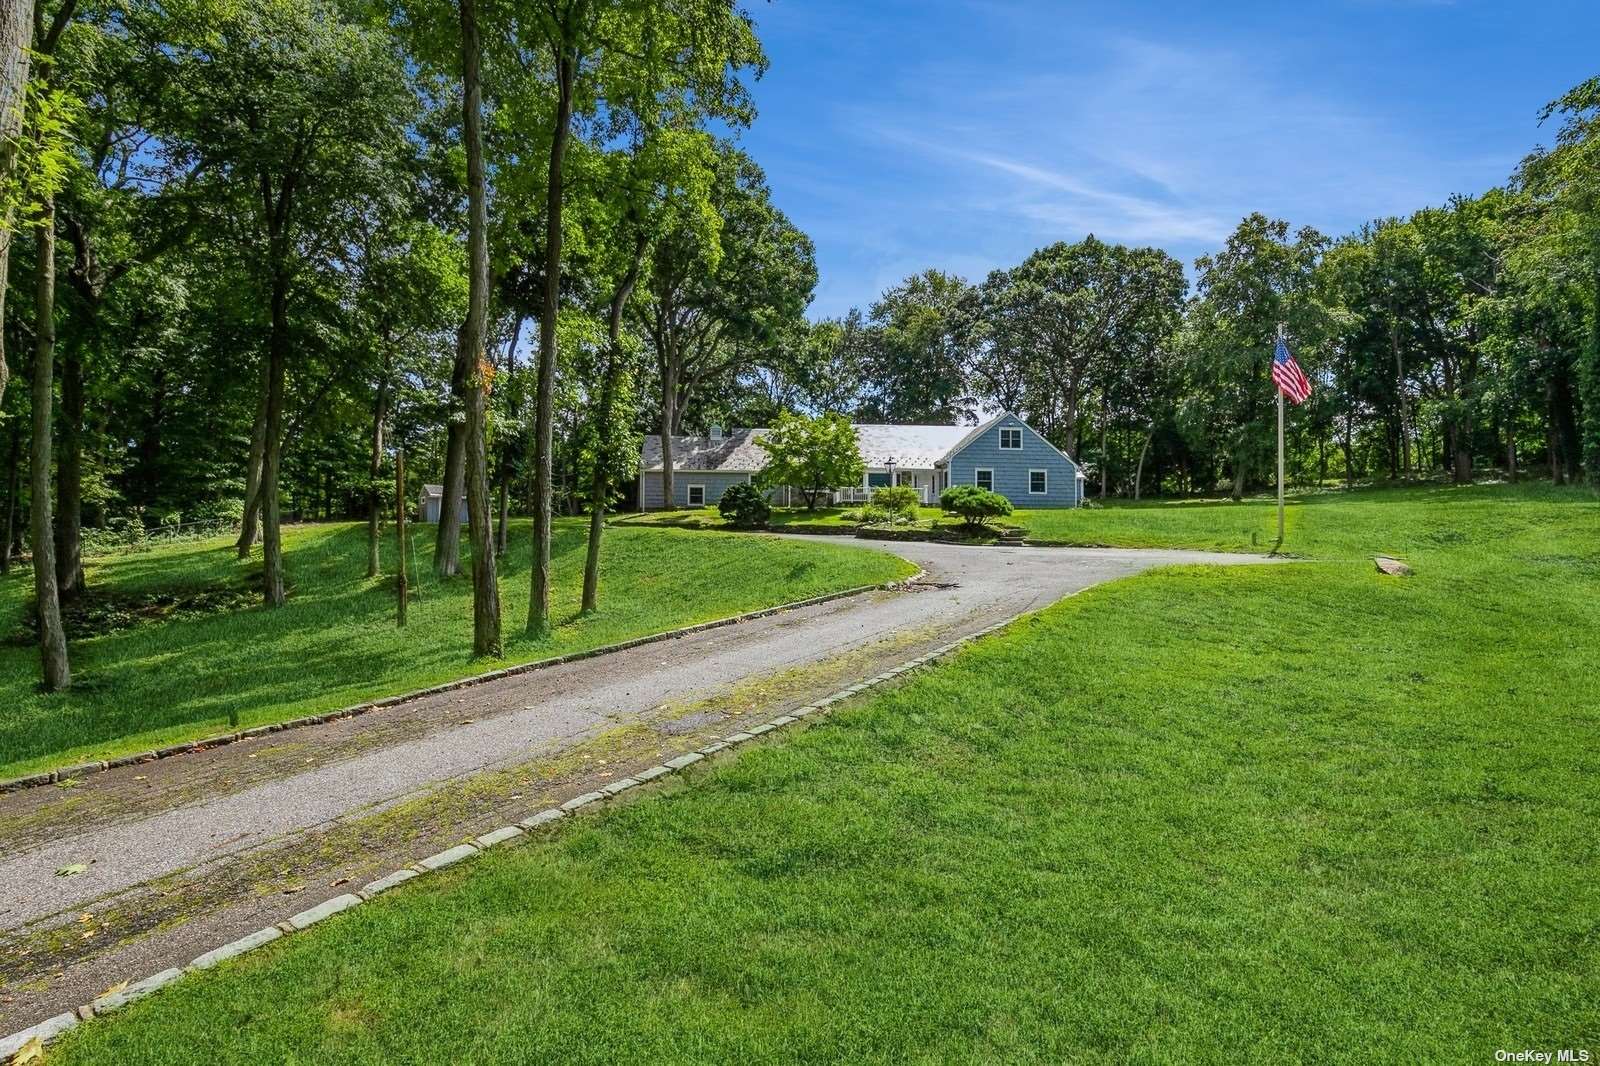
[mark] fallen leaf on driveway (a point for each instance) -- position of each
(293, 889)
(73, 870)
(340, 881)
(114, 989)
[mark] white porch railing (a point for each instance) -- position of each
(862, 494)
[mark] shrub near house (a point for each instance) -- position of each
(745, 507)
(974, 505)
(898, 502)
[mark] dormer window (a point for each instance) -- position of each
(1011, 438)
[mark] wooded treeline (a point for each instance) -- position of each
(1462, 340)
(254, 249)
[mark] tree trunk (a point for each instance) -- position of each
(1138, 473)
(544, 409)
(380, 414)
(1238, 479)
(1566, 417)
(1400, 397)
(603, 436)
(11, 498)
(502, 523)
(447, 538)
(56, 673)
(1105, 453)
(272, 593)
(1462, 452)
(252, 473)
(400, 544)
(470, 355)
(601, 486)
(69, 481)
(1552, 432)
(507, 467)
(16, 36)
(669, 395)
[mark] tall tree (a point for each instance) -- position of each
(16, 35)
(297, 111)
(914, 358)
(620, 55)
(473, 370)
(1564, 242)
(718, 299)
(1066, 326)
(1260, 279)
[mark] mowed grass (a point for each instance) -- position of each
(1212, 524)
(336, 643)
(1300, 812)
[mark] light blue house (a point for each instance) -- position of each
(1004, 454)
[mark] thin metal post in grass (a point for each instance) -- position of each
(1279, 391)
(400, 532)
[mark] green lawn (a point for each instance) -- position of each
(782, 518)
(1212, 524)
(1291, 813)
(335, 643)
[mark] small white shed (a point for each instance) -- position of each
(429, 501)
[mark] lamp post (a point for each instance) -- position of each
(889, 462)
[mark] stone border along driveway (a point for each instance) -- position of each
(50, 1028)
(47, 777)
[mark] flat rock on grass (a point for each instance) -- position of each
(1392, 567)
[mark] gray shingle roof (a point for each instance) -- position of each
(911, 448)
(736, 453)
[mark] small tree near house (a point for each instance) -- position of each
(812, 454)
(974, 505)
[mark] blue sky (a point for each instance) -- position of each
(962, 134)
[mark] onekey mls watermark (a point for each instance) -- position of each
(1568, 1054)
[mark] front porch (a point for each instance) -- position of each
(928, 483)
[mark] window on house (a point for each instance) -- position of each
(1011, 438)
(984, 479)
(878, 479)
(1038, 482)
(697, 495)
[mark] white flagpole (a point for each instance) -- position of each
(1280, 446)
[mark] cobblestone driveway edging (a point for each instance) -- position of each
(51, 1028)
(67, 773)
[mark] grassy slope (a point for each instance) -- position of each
(336, 642)
(1205, 814)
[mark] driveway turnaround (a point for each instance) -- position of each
(191, 812)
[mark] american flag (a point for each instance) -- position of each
(1290, 379)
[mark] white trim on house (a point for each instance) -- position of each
(1007, 430)
(688, 494)
(1045, 474)
(977, 477)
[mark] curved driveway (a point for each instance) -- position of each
(518, 719)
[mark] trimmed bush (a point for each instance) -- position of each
(899, 502)
(745, 506)
(974, 505)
